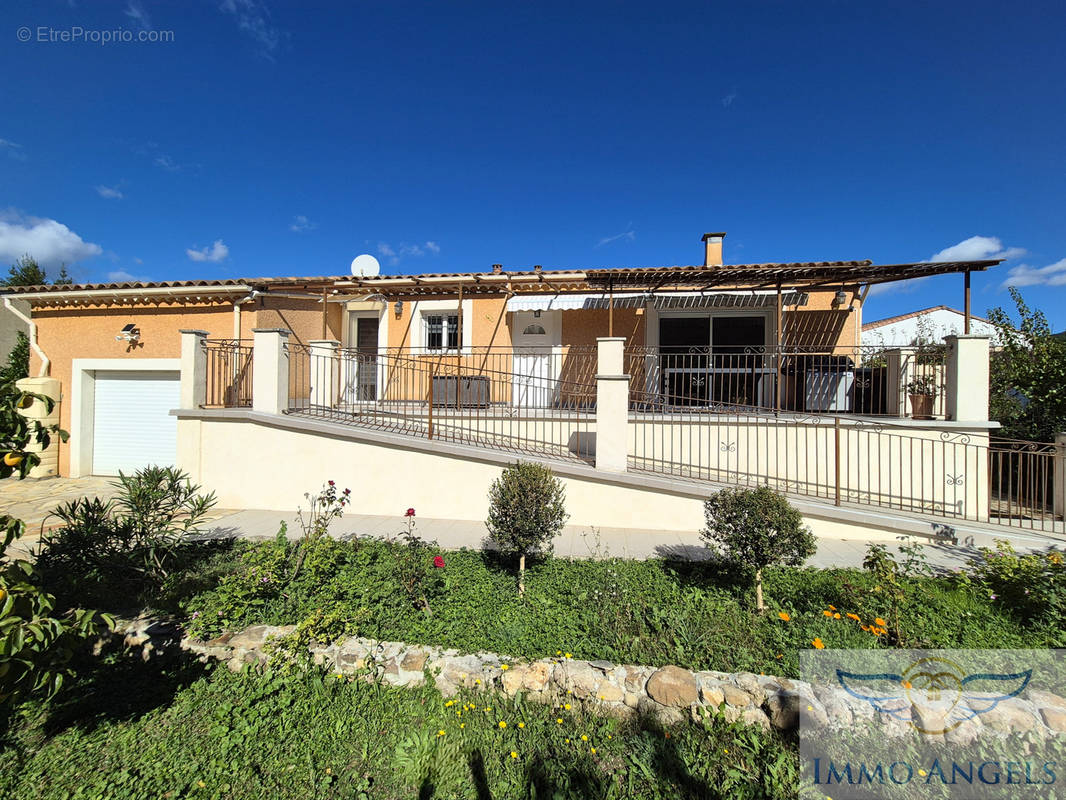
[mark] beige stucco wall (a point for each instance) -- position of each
(386, 479)
(87, 332)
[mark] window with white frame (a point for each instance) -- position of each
(441, 331)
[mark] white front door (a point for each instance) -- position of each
(535, 380)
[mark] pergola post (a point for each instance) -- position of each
(966, 304)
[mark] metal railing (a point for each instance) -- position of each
(872, 381)
(229, 373)
(1027, 484)
(521, 400)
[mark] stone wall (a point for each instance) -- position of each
(670, 694)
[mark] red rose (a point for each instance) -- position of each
(438, 561)
(331, 483)
(410, 512)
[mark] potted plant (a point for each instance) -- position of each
(922, 391)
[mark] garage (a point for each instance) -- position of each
(132, 424)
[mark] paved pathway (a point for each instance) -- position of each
(33, 501)
(573, 542)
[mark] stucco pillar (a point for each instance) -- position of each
(193, 393)
(612, 406)
(325, 372)
(1060, 475)
(967, 378)
(270, 370)
(894, 382)
(38, 411)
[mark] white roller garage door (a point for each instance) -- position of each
(132, 424)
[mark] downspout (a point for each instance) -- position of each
(237, 314)
(46, 364)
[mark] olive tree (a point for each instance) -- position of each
(526, 511)
(755, 529)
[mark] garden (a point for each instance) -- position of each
(111, 723)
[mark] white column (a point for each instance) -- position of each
(193, 393)
(270, 370)
(967, 378)
(38, 411)
(612, 406)
(325, 372)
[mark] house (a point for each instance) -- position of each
(925, 325)
(751, 373)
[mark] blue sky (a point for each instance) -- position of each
(272, 138)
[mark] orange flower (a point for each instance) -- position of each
(784, 615)
(818, 644)
(865, 627)
(827, 613)
(832, 607)
(881, 622)
(837, 615)
(852, 616)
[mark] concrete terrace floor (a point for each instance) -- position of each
(33, 501)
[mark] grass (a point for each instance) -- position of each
(185, 731)
(695, 615)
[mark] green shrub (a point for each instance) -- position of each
(1032, 586)
(526, 511)
(135, 539)
(36, 643)
(755, 528)
(18, 360)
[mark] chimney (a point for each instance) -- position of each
(537, 267)
(713, 253)
(497, 269)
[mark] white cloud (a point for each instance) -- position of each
(628, 235)
(727, 101)
(1025, 275)
(403, 249)
(167, 163)
(136, 12)
(215, 253)
(121, 276)
(13, 150)
(978, 248)
(254, 19)
(50, 242)
(301, 224)
(138, 261)
(109, 192)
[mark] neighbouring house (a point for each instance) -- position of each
(644, 387)
(925, 325)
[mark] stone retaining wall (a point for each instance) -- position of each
(670, 694)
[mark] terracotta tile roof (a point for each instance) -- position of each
(890, 320)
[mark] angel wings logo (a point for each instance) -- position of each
(934, 695)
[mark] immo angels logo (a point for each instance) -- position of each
(934, 695)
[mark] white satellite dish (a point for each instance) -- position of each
(365, 266)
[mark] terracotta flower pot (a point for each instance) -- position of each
(921, 406)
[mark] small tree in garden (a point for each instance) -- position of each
(526, 512)
(756, 528)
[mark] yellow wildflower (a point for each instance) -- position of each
(521, 724)
(329, 771)
(592, 750)
(514, 754)
(567, 655)
(559, 720)
(566, 706)
(441, 732)
(584, 738)
(504, 666)
(503, 724)
(201, 784)
(462, 725)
